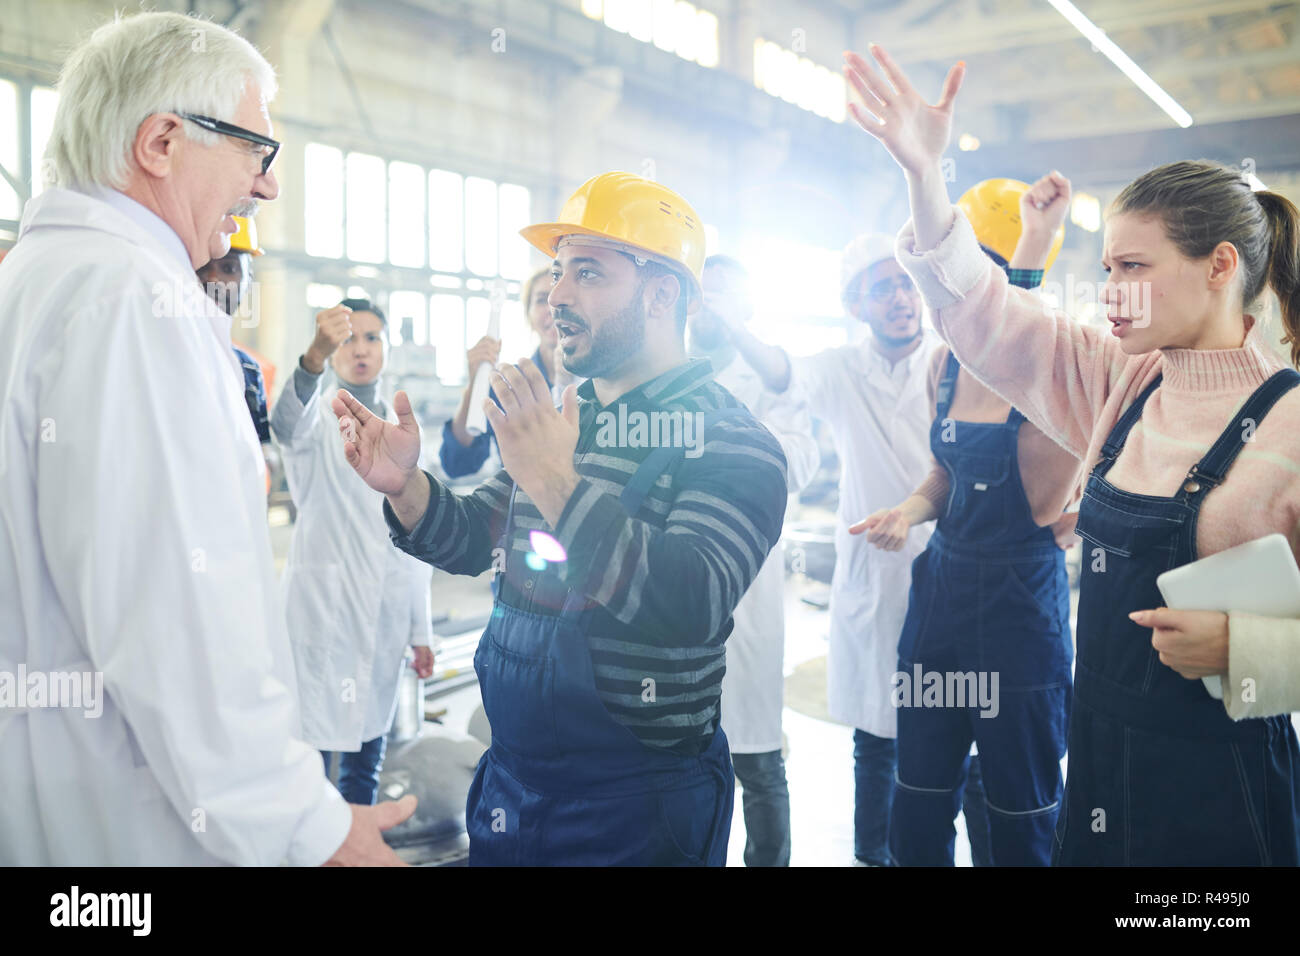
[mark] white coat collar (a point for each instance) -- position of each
(104, 210)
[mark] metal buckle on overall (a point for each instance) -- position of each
(1196, 478)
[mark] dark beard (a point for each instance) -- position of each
(618, 340)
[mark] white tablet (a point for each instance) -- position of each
(1259, 577)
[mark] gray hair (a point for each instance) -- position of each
(137, 66)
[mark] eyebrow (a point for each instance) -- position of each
(576, 261)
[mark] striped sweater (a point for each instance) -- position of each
(665, 580)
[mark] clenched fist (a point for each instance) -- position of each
(333, 328)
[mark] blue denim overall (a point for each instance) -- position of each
(989, 597)
(564, 783)
(1158, 774)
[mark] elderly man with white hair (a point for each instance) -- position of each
(148, 709)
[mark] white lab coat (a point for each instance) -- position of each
(754, 683)
(880, 422)
(352, 600)
(134, 544)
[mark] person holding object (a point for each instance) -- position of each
(623, 545)
(135, 550)
(463, 452)
(754, 685)
(1187, 423)
(353, 601)
(990, 592)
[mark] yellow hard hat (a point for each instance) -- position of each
(245, 237)
(993, 208)
(630, 211)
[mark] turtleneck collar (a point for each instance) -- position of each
(367, 395)
(1220, 370)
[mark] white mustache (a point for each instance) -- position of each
(246, 208)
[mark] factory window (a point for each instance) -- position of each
(447, 326)
(323, 184)
(365, 202)
(481, 226)
(44, 103)
(29, 109)
(798, 80)
(406, 215)
(672, 25)
(10, 206)
(406, 312)
(446, 215)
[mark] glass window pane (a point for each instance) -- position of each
(9, 205)
(517, 338)
(618, 14)
(477, 311)
(481, 226)
(405, 215)
(406, 312)
(663, 24)
(323, 187)
(446, 221)
(706, 49)
(366, 199)
(515, 214)
(321, 296)
(640, 26)
(447, 334)
(44, 102)
(684, 39)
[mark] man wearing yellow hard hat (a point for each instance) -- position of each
(228, 279)
(625, 527)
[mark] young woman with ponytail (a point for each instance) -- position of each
(1189, 428)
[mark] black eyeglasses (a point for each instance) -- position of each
(229, 129)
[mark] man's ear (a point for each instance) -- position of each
(667, 289)
(157, 143)
(1223, 265)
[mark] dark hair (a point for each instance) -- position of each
(365, 305)
(1203, 204)
(721, 261)
(684, 284)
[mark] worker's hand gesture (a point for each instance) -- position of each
(486, 349)
(385, 455)
(1043, 206)
(536, 440)
(914, 132)
(423, 663)
(887, 528)
(364, 845)
(333, 328)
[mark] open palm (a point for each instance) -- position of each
(383, 454)
(915, 132)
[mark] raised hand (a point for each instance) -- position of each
(333, 328)
(386, 456)
(1044, 205)
(915, 132)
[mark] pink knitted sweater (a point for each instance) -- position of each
(1073, 382)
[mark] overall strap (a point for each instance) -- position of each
(1119, 434)
(1211, 470)
(657, 462)
(947, 385)
(1015, 417)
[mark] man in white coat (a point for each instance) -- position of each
(135, 563)
(353, 601)
(874, 397)
(753, 686)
